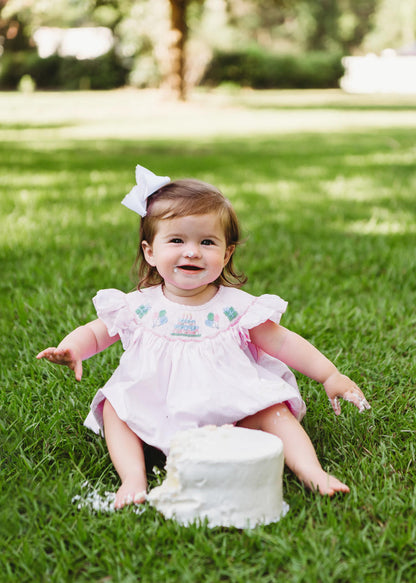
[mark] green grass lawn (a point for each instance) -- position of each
(324, 184)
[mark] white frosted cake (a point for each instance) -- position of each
(229, 475)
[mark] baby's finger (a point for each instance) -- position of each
(45, 353)
(78, 370)
(335, 405)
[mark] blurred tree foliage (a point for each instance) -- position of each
(394, 26)
(303, 24)
(153, 36)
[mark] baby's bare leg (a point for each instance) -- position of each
(126, 452)
(300, 455)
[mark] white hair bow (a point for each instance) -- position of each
(147, 184)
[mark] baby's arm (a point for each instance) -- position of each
(79, 345)
(299, 354)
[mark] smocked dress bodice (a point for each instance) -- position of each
(188, 366)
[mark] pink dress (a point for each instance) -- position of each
(189, 366)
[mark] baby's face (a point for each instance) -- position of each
(188, 252)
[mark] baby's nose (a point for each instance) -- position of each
(191, 252)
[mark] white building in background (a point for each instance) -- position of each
(82, 43)
(391, 72)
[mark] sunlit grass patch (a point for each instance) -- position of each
(133, 114)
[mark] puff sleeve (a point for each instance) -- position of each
(113, 309)
(263, 308)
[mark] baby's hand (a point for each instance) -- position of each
(65, 356)
(339, 385)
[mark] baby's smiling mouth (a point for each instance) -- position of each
(190, 267)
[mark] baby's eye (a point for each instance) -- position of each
(175, 240)
(207, 242)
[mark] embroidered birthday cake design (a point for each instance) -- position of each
(186, 326)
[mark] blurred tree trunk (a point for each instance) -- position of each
(178, 35)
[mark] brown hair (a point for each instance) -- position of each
(183, 198)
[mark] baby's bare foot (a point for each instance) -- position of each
(324, 483)
(132, 491)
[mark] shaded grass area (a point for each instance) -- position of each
(329, 223)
